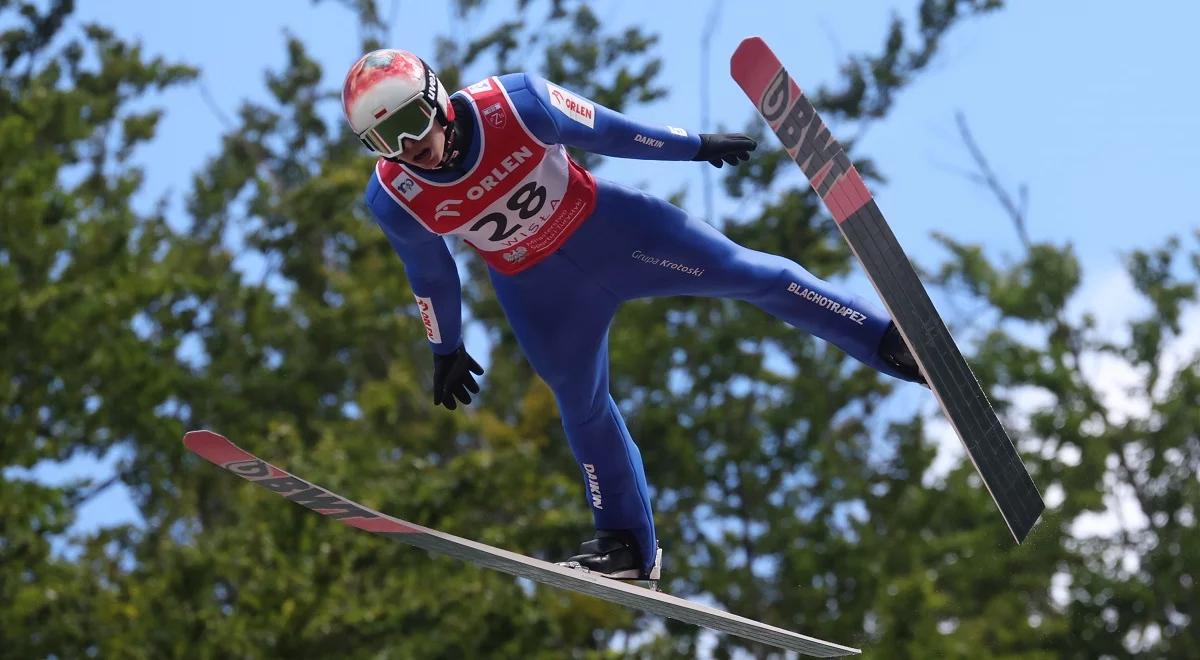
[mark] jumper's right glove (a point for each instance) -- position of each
(452, 378)
(727, 147)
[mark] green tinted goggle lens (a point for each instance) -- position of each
(412, 121)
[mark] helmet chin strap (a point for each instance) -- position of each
(451, 154)
(457, 140)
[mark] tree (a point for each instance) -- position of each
(320, 354)
(1130, 590)
(81, 272)
(782, 491)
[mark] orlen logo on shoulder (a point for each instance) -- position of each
(572, 106)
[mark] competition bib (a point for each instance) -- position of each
(519, 202)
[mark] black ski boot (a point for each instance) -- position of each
(614, 554)
(895, 352)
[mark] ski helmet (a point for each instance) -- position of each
(390, 95)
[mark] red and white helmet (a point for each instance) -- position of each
(391, 95)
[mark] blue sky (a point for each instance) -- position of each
(1094, 106)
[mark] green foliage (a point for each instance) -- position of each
(787, 486)
(1131, 589)
(871, 81)
(79, 271)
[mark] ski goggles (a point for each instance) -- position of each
(412, 120)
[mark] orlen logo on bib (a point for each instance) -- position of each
(572, 106)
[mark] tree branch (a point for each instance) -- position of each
(985, 176)
(710, 25)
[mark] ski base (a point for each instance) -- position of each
(223, 453)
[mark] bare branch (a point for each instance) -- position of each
(710, 25)
(83, 496)
(211, 102)
(1016, 211)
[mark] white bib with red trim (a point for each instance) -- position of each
(520, 201)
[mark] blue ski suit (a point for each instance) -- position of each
(561, 302)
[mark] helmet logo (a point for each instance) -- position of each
(380, 59)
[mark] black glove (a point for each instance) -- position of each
(728, 147)
(452, 378)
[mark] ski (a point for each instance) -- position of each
(807, 139)
(220, 451)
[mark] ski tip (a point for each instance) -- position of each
(753, 65)
(749, 50)
(198, 438)
(215, 448)
(751, 42)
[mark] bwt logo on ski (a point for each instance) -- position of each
(254, 469)
(801, 130)
(822, 301)
(593, 485)
(299, 491)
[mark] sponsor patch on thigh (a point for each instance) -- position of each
(825, 303)
(661, 262)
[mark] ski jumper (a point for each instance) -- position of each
(565, 250)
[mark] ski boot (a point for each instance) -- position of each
(896, 353)
(614, 554)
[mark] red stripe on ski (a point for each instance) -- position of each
(819, 177)
(847, 195)
(385, 523)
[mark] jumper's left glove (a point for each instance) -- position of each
(727, 147)
(452, 378)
